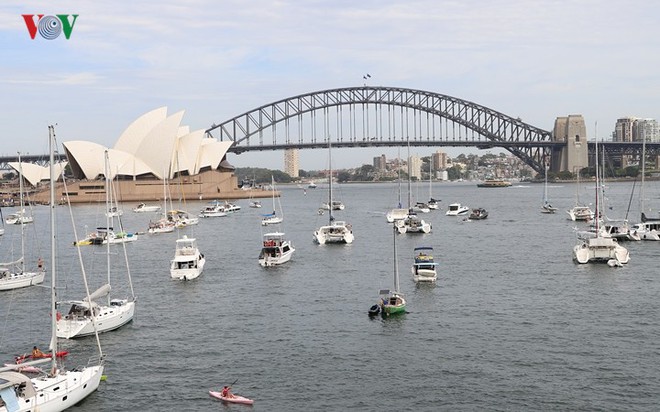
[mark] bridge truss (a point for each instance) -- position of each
(382, 116)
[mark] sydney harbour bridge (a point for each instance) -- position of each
(371, 116)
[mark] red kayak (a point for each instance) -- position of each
(233, 399)
(60, 354)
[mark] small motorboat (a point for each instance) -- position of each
(232, 399)
(478, 214)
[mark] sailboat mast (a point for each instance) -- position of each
(22, 214)
(108, 214)
(598, 189)
(53, 308)
(409, 178)
(641, 190)
(396, 261)
(330, 180)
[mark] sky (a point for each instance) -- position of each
(216, 59)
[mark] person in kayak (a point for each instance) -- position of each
(36, 353)
(226, 392)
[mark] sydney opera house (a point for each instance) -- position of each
(153, 150)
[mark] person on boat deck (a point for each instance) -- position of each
(226, 392)
(40, 264)
(36, 353)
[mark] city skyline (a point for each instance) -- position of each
(216, 60)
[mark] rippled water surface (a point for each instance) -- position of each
(512, 323)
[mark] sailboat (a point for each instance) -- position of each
(336, 231)
(13, 274)
(411, 223)
(648, 228)
(87, 317)
(391, 302)
(546, 207)
(272, 218)
(21, 217)
(579, 211)
(594, 247)
(164, 224)
(432, 203)
(60, 389)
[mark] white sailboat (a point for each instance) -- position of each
(336, 231)
(87, 317)
(411, 223)
(649, 227)
(13, 274)
(579, 211)
(546, 207)
(595, 247)
(432, 203)
(273, 218)
(59, 389)
(164, 224)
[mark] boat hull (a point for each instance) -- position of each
(109, 318)
(234, 399)
(21, 280)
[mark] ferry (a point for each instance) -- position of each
(494, 183)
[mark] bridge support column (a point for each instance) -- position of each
(575, 155)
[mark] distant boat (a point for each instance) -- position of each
(311, 185)
(144, 208)
(494, 183)
(478, 214)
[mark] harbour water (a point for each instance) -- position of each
(512, 323)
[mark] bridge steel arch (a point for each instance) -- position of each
(359, 111)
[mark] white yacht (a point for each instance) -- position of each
(424, 266)
(276, 250)
(144, 208)
(579, 212)
(188, 262)
(456, 209)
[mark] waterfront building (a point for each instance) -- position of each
(291, 162)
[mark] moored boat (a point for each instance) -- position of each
(494, 183)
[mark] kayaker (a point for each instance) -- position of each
(36, 353)
(226, 392)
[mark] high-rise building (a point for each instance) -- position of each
(380, 163)
(291, 162)
(646, 129)
(439, 160)
(415, 169)
(623, 131)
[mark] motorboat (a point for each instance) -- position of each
(312, 185)
(255, 204)
(18, 218)
(275, 250)
(433, 204)
(456, 209)
(144, 208)
(478, 214)
(182, 218)
(231, 207)
(188, 262)
(424, 266)
(649, 230)
(214, 209)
